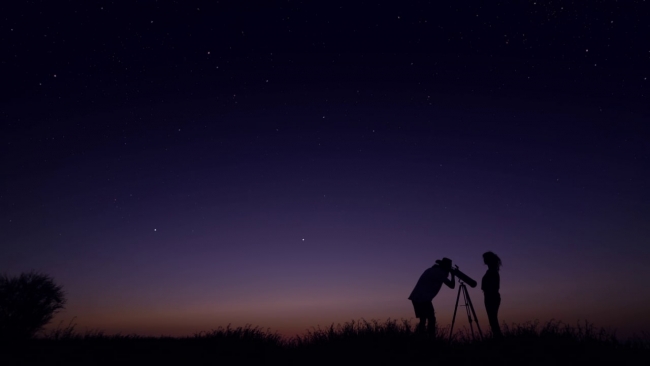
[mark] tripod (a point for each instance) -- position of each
(468, 306)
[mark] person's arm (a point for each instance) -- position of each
(451, 283)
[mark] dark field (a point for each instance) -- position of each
(357, 342)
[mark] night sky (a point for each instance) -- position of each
(183, 165)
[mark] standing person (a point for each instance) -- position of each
(426, 289)
(490, 287)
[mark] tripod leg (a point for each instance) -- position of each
(469, 317)
(453, 320)
(474, 313)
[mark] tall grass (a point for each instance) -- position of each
(357, 341)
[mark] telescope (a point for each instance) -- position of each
(463, 277)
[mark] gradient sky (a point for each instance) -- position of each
(183, 166)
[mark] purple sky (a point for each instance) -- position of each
(183, 176)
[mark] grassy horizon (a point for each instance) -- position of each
(386, 342)
(407, 326)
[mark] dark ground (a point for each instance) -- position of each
(352, 343)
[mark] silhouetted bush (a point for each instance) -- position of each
(27, 303)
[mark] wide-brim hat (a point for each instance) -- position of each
(444, 262)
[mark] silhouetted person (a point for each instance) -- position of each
(426, 289)
(490, 287)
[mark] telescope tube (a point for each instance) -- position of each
(463, 277)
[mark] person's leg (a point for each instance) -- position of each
(492, 308)
(496, 329)
(422, 326)
(489, 309)
(431, 329)
(419, 313)
(431, 317)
